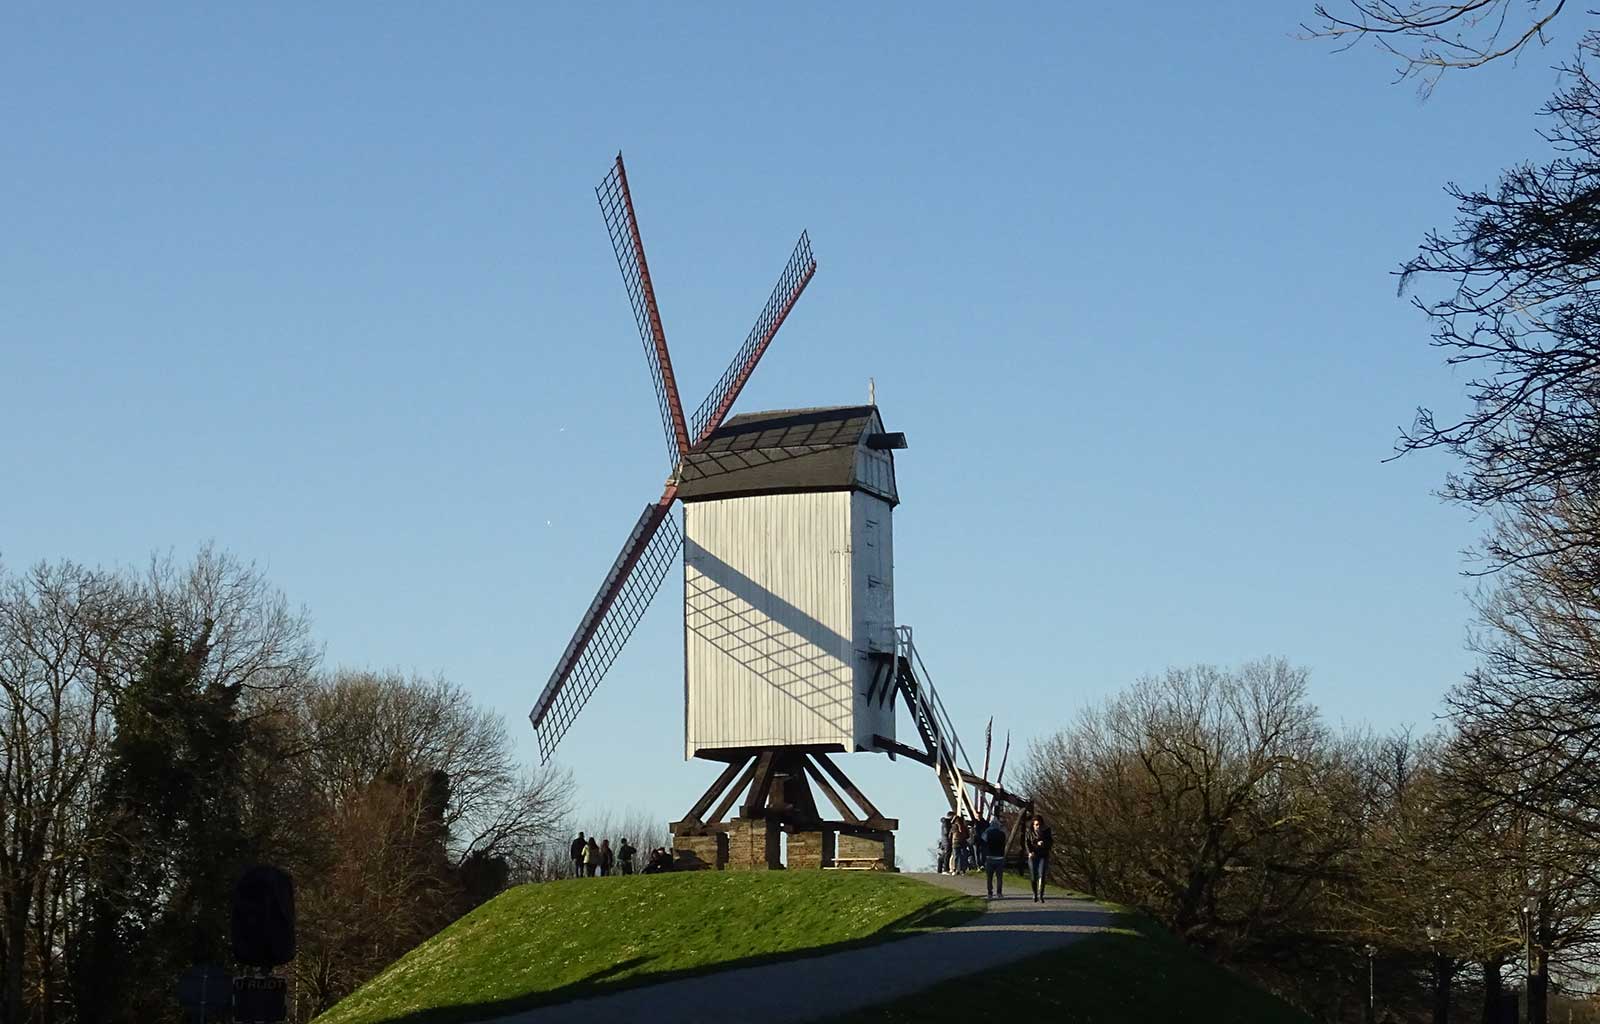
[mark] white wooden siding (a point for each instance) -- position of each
(769, 630)
(872, 576)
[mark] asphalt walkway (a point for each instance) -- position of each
(822, 987)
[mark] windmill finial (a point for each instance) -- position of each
(872, 391)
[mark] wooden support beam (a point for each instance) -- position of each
(849, 787)
(831, 793)
(733, 793)
(885, 743)
(756, 802)
(970, 779)
(797, 790)
(715, 790)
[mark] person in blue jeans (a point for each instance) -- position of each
(993, 844)
(1037, 840)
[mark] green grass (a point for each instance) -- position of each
(1133, 973)
(539, 944)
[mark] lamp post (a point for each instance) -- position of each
(1441, 993)
(1530, 907)
(1372, 991)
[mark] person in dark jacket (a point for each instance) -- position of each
(625, 856)
(944, 845)
(1037, 840)
(607, 858)
(993, 843)
(577, 856)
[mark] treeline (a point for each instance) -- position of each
(1453, 865)
(1220, 802)
(161, 730)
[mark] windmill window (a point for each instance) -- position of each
(873, 581)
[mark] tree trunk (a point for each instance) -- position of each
(1492, 992)
(1442, 969)
(16, 945)
(1539, 992)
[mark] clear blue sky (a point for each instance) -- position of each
(327, 285)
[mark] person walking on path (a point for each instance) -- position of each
(607, 860)
(577, 856)
(1037, 840)
(591, 858)
(994, 860)
(625, 856)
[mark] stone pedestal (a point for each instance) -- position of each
(810, 849)
(700, 853)
(868, 846)
(753, 845)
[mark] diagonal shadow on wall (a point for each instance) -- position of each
(800, 658)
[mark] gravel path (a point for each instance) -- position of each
(822, 987)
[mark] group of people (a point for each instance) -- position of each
(965, 844)
(592, 859)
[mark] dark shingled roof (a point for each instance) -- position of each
(783, 450)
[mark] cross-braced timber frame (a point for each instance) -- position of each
(776, 784)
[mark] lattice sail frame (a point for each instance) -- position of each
(796, 275)
(656, 540)
(616, 206)
(630, 586)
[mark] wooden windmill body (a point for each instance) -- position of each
(791, 651)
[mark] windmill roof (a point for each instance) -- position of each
(778, 451)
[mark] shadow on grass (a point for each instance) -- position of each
(1129, 973)
(947, 913)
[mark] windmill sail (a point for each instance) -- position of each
(616, 204)
(655, 541)
(796, 275)
(650, 551)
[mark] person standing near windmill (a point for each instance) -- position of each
(993, 844)
(576, 853)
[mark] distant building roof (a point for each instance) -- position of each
(781, 451)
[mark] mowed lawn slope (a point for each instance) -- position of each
(545, 943)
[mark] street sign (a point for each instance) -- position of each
(206, 990)
(260, 1000)
(263, 917)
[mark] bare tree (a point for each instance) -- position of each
(1215, 799)
(61, 630)
(1429, 38)
(422, 809)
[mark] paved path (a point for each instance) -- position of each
(822, 987)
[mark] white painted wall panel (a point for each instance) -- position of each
(769, 630)
(872, 577)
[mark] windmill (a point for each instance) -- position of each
(791, 649)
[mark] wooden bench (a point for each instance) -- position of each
(857, 864)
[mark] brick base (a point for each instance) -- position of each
(810, 850)
(753, 845)
(878, 845)
(700, 853)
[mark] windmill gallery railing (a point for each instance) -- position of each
(943, 751)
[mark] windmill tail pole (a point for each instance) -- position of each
(988, 746)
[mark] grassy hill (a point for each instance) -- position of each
(545, 943)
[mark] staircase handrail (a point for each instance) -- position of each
(928, 697)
